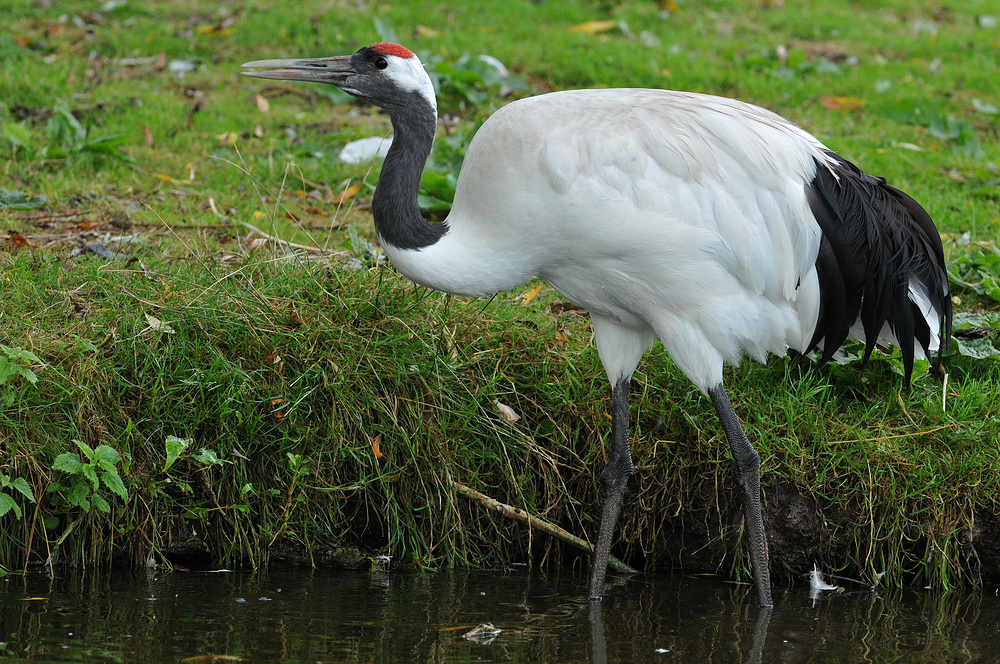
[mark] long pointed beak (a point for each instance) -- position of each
(333, 70)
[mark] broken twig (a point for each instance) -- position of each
(538, 524)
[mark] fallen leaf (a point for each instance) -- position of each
(181, 66)
(567, 308)
(376, 444)
(263, 105)
(984, 107)
(147, 136)
(291, 216)
(217, 30)
(529, 295)
(669, 5)
(347, 194)
(507, 412)
(593, 27)
(171, 180)
(909, 146)
(843, 103)
(258, 132)
(227, 139)
(87, 225)
(17, 240)
(424, 31)
(158, 325)
(364, 150)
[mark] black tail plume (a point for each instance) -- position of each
(876, 240)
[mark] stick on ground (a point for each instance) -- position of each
(537, 524)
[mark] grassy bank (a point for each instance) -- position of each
(223, 382)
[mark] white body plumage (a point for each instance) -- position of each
(664, 213)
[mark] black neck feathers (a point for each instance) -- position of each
(394, 206)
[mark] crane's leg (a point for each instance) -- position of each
(614, 481)
(746, 468)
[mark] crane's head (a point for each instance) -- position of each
(384, 74)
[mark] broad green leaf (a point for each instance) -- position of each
(8, 370)
(103, 453)
(91, 474)
(19, 135)
(85, 448)
(21, 485)
(64, 129)
(979, 349)
(100, 503)
(175, 447)
(7, 504)
(208, 456)
(984, 107)
(78, 496)
(108, 145)
(114, 482)
(68, 463)
(17, 200)
(18, 353)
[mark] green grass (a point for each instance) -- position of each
(288, 376)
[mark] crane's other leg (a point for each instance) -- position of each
(746, 468)
(620, 347)
(614, 481)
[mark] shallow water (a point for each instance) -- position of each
(302, 615)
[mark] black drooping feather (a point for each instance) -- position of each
(876, 239)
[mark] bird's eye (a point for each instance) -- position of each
(381, 63)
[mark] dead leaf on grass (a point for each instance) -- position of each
(347, 194)
(227, 139)
(223, 28)
(87, 225)
(17, 240)
(593, 27)
(167, 178)
(507, 412)
(529, 295)
(158, 325)
(843, 103)
(567, 308)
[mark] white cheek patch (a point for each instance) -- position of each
(408, 74)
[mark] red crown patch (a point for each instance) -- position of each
(389, 48)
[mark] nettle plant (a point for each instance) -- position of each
(88, 476)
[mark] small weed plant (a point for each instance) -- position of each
(86, 478)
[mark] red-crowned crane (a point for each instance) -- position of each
(716, 226)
